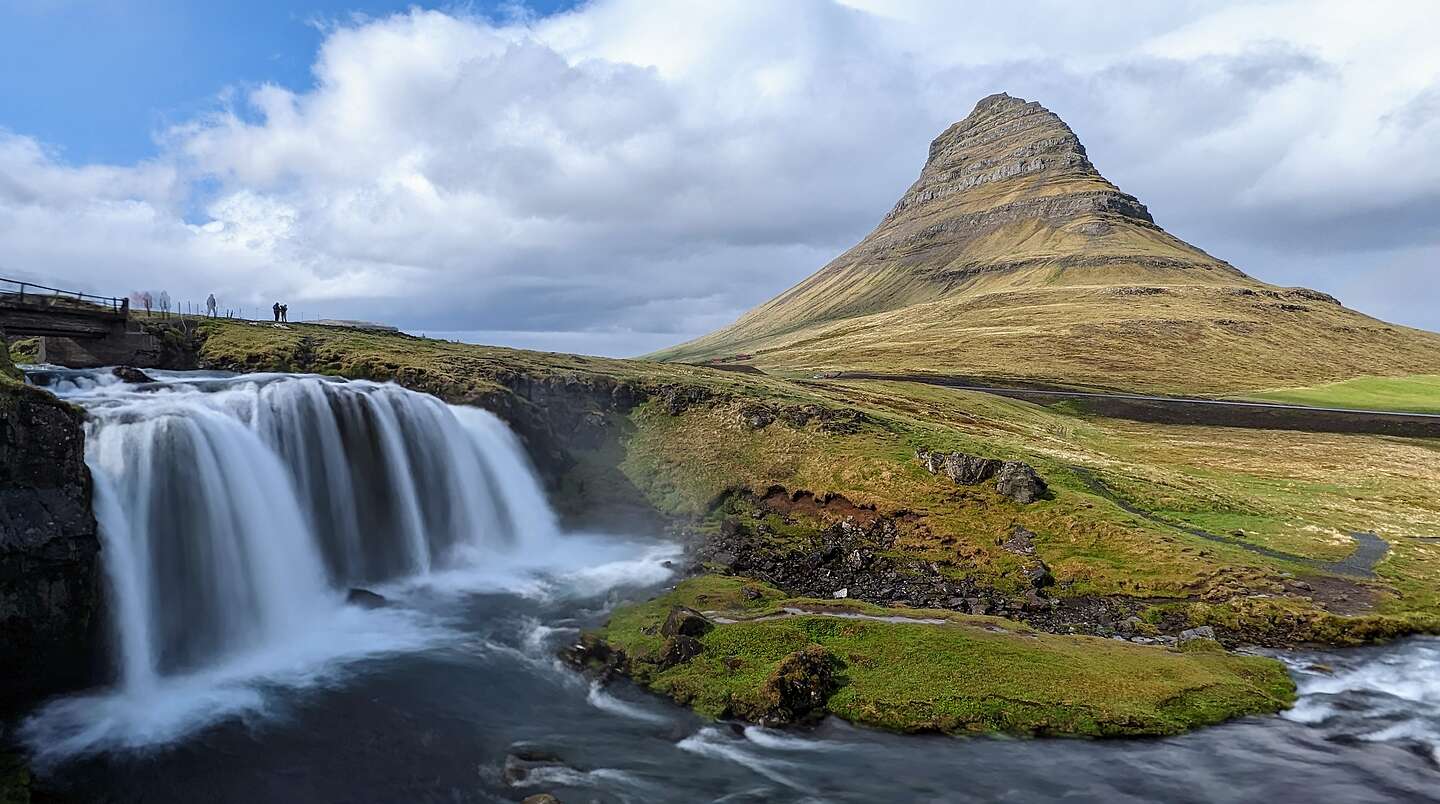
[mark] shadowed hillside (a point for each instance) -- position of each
(1011, 256)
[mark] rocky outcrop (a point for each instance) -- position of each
(1014, 479)
(49, 549)
(798, 687)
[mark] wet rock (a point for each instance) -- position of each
(365, 599)
(540, 798)
(976, 605)
(594, 656)
(841, 594)
(1019, 482)
(521, 764)
(685, 622)
(131, 374)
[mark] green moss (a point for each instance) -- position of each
(968, 674)
(25, 350)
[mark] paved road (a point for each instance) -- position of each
(1195, 410)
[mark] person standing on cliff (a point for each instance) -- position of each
(210, 306)
(275, 308)
(285, 313)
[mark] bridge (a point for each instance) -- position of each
(75, 329)
(28, 309)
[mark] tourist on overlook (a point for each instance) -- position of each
(275, 308)
(285, 313)
(210, 306)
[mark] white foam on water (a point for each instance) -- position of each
(173, 707)
(780, 741)
(710, 742)
(605, 702)
(1389, 694)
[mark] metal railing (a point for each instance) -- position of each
(44, 294)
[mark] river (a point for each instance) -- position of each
(236, 512)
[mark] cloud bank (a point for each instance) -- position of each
(631, 174)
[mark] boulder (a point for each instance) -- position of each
(365, 599)
(131, 374)
(685, 622)
(1014, 479)
(1019, 482)
(680, 649)
(1203, 632)
(540, 798)
(799, 686)
(595, 656)
(1038, 573)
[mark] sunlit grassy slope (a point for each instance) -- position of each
(1012, 257)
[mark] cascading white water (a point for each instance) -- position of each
(236, 511)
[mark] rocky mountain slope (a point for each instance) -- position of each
(1012, 256)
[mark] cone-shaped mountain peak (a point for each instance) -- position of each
(1011, 255)
(1004, 140)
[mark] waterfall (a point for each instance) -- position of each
(236, 511)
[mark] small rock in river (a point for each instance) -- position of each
(366, 599)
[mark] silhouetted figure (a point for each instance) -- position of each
(210, 305)
(285, 313)
(275, 308)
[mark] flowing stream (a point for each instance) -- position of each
(237, 511)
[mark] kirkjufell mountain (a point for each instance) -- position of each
(1011, 256)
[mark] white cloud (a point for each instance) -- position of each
(634, 167)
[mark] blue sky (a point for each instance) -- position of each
(97, 78)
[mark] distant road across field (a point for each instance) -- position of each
(1190, 410)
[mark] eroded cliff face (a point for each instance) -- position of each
(49, 549)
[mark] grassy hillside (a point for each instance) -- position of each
(1012, 257)
(1293, 492)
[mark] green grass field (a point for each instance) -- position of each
(1417, 393)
